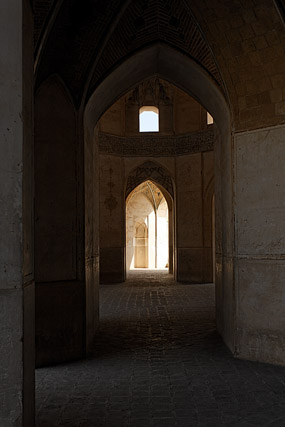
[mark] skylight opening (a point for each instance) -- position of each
(149, 119)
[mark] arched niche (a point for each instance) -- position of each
(170, 64)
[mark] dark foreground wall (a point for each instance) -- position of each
(60, 291)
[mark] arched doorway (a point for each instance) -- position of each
(147, 228)
(226, 259)
(168, 63)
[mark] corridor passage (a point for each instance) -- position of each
(158, 362)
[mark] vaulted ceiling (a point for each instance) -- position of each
(151, 192)
(90, 37)
(239, 43)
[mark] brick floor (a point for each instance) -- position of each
(158, 362)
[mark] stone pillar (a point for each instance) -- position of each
(171, 238)
(112, 220)
(152, 239)
(91, 178)
(16, 216)
(260, 244)
(59, 272)
(194, 172)
(224, 239)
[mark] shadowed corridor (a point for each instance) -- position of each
(158, 362)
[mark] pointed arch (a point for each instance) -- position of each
(178, 68)
(144, 212)
(168, 63)
(52, 82)
(152, 171)
(45, 32)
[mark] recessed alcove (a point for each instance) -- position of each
(180, 159)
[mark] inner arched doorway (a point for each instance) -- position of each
(148, 228)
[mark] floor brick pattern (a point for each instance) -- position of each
(158, 362)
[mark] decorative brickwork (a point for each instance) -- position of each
(280, 4)
(146, 22)
(157, 146)
(248, 39)
(149, 171)
(240, 43)
(42, 9)
(75, 44)
(153, 91)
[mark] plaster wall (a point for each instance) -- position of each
(114, 119)
(194, 184)
(260, 244)
(189, 115)
(16, 216)
(179, 114)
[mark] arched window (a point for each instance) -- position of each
(149, 119)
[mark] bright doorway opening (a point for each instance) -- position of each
(147, 228)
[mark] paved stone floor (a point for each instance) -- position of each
(158, 362)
